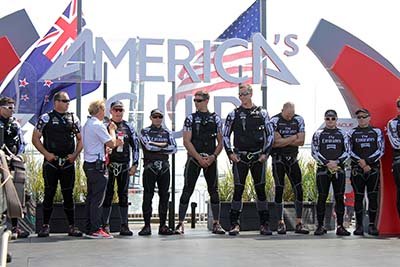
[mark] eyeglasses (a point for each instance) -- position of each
(330, 118)
(118, 109)
(198, 100)
(64, 100)
(244, 93)
(362, 117)
(157, 116)
(8, 107)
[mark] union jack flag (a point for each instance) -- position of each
(33, 95)
(243, 27)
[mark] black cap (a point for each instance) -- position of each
(117, 104)
(156, 111)
(362, 110)
(330, 113)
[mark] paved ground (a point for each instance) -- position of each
(199, 248)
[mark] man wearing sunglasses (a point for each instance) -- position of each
(59, 129)
(330, 148)
(14, 143)
(289, 134)
(157, 144)
(393, 130)
(366, 149)
(253, 137)
(202, 138)
(119, 169)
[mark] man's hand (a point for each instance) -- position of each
(202, 161)
(234, 158)
(362, 163)
(210, 159)
(71, 158)
(49, 156)
(112, 126)
(366, 168)
(132, 170)
(262, 158)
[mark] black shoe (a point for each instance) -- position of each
(146, 230)
(341, 231)
(320, 230)
(17, 232)
(45, 231)
(301, 230)
(165, 230)
(235, 229)
(217, 229)
(180, 229)
(74, 231)
(9, 257)
(372, 230)
(125, 231)
(265, 230)
(359, 230)
(281, 228)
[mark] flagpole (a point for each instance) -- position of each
(79, 82)
(263, 24)
(171, 220)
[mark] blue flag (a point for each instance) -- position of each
(33, 95)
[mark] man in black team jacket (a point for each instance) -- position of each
(288, 136)
(59, 129)
(253, 137)
(201, 130)
(119, 168)
(366, 149)
(157, 143)
(330, 148)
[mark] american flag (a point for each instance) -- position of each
(34, 95)
(243, 27)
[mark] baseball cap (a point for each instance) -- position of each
(156, 111)
(117, 104)
(362, 110)
(330, 113)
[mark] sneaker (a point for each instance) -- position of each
(146, 230)
(320, 230)
(300, 229)
(341, 231)
(125, 231)
(74, 231)
(281, 228)
(265, 230)
(217, 229)
(179, 229)
(235, 229)
(45, 231)
(165, 230)
(17, 232)
(372, 230)
(99, 234)
(359, 230)
(106, 228)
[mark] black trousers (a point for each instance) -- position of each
(52, 173)
(156, 173)
(396, 175)
(191, 174)
(360, 181)
(324, 180)
(122, 178)
(288, 165)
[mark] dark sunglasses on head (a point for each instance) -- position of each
(198, 100)
(362, 117)
(157, 116)
(64, 100)
(330, 118)
(244, 93)
(118, 109)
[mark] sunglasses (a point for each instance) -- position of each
(198, 100)
(330, 118)
(8, 107)
(244, 94)
(64, 100)
(157, 116)
(118, 109)
(362, 117)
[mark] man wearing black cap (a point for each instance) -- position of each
(366, 148)
(14, 144)
(393, 130)
(119, 169)
(330, 149)
(289, 134)
(157, 143)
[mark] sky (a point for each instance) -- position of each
(374, 22)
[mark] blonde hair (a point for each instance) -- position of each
(95, 106)
(247, 87)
